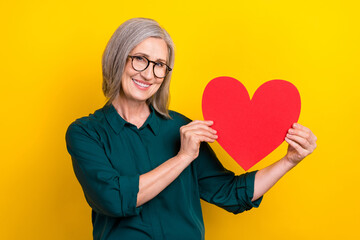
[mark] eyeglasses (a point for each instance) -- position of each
(140, 63)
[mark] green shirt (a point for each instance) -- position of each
(108, 156)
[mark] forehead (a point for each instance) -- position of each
(154, 48)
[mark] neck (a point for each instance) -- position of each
(134, 112)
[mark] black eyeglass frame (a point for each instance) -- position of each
(168, 69)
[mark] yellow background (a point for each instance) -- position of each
(51, 75)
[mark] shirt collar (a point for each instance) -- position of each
(117, 123)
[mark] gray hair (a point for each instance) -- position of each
(126, 38)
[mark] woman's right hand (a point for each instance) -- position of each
(192, 135)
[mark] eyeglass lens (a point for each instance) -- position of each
(140, 63)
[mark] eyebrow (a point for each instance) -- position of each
(144, 54)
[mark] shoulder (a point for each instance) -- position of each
(179, 118)
(90, 125)
(171, 126)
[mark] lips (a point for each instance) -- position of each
(141, 84)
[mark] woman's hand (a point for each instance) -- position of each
(192, 135)
(301, 142)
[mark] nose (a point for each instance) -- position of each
(148, 73)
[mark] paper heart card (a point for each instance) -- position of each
(250, 129)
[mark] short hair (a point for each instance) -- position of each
(126, 38)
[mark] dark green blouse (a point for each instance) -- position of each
(108, 156)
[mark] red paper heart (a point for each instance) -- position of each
(249, 130)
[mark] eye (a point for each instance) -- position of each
(140, 58)
(160, 64)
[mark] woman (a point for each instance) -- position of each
(143, 168)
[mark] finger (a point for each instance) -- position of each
(198, 125)
(306, 132)
(303, 142)
(197, 139)
(205, 133)
(301, 133)
(208, 123)
(187, 129)
(199, 131)
(206, 139)
(301, 127)
(296, 146)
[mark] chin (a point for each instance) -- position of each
(140, 98)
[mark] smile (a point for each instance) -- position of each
(141, 84)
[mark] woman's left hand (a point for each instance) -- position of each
(301, 142)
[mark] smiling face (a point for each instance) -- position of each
(140, 86)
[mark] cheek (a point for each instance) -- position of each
(159, 85)
(128, 70)
(127, 76)
(161, 81)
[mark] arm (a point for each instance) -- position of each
(222, 187)
(192, 134)
(153, 182)
(302, 142)
(106, 191)
(114, 195)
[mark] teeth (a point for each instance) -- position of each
(141, 84)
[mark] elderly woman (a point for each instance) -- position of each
(143, 168)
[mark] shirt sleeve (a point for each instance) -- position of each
(221, 187)
(105, 190)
